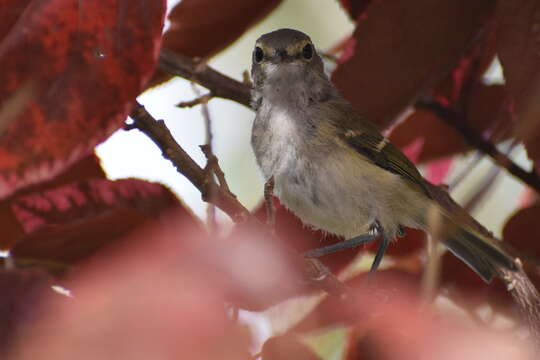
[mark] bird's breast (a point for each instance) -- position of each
(310, 179)
(275, 141)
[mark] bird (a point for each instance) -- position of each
(333, 168)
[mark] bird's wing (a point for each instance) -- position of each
(364, 137)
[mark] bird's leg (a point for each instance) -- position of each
(372, 235)
(374, 232)
(383, 245)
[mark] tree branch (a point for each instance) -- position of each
(453, 119)
(197, 71)
(184, 164)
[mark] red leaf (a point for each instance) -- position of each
(10, 10)
(523, 231)
(518, 48)
(438, 170)
(71, 222)
(355, 8)
(388, 286)
(21, 292)
(486, 116)
(286, 347)
(469, 289)
(12, 230)
(403, 48)
(72, 70)
(413, 241)
(202, 28)
(438, 138)
(472, 65)
(153, 297)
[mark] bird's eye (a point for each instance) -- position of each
(307, 51)
(258, 54)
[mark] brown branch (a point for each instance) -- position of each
(201, 100)
(220, 85)
(209, 140)
(213, 165)
(161, 136)
(313, 270)
(453, 119)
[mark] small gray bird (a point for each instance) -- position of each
(333, 168)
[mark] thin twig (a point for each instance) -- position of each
(453, 119)
(209, 139)
(487, 185)
(459, 178)
(199, 100)
(213, 165)
(246, 79)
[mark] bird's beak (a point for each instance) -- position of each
(280, 56)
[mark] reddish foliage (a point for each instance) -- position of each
(412, 242)
(160, 286)
(437, 171)
(453, 91)
(385, 287)
(264, 272)
(9, 13)
(402, 49)
(524, 219)
(70, 223)
(518, 48)
(401, 331)
(466, 286)
(88, 62)
(201, 28)
(12, 229)
(355, 8)
(21, 292)
(286, 347)
(486, 115)
(438, 138)
(158, 296)
(522, 231)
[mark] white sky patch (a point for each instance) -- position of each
(494, 74)
(61, 290)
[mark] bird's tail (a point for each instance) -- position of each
(480, 252)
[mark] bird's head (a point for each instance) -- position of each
(283, 54)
